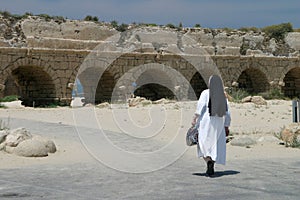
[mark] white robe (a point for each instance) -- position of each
(212, 137)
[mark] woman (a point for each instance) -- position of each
(214, 119)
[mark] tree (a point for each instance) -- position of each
(122, 27)
(170, 26)
(88, 18)
(278, 31)
(197, 26)
(95, 19)
(91, 18)
(180, 25)
(114, 23)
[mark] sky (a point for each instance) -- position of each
(207, 13)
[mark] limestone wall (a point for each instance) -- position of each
(36, 32)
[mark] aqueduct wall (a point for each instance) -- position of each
(41, 59)
(47, 75)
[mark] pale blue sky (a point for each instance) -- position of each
(208, 13)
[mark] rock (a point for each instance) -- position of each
(16, 136)
(243, 141)
(135, 101)
(247, 99)
(291, 134)
(13, 104)
(3, 135)
(77, 102)
(35, 147)
(21, 142)
(293, 40)
(146, 102)
(258, 100)
(103, 105)
(268, 138)
(163, 101)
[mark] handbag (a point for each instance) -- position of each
(192, 136)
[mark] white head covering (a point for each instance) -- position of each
(217, 100)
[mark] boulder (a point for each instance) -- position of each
(163, 101)
(3, 134)
(35, 147)
(103, 105)
(16, 136)
(291, 135)
(243, 141)
(21, 142)
(136, 101)
(247, 99)
(258, 100)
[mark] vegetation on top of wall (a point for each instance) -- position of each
(278, 31)
(91, 18)
(46, 17)
(297, 30)
(170, 26)
(274, 31)
(249, 29)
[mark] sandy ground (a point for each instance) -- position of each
(258, 122)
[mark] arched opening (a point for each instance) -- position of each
(253, 81)
(197, 86)
(77, 89)
(33, 85)
(154, 84)
(291, 86)
(154, 92)
(105, 88)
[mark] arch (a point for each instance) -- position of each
(291, 81)
(253, 81)
(154, 91)
(197, 86)
(34, 86)
(105, 87)
(35, 63)
(154, 84)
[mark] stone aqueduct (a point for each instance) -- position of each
(45, 76)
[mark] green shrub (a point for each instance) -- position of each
(5, 14)
(297, 30)
(114, 23)
(238, 94)
(248, 29)
(227, 30)
(9, 98)
(278, 31)
(274, 93)
(151, 25)
(46, 17)
(197, 26)
(171, 26)
(122, 27)
(90, 18)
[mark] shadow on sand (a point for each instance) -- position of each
(218, 174)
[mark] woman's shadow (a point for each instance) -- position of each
(218, 174)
